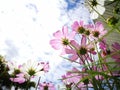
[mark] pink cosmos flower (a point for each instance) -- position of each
(78, 27)
(98, 69)
(46, 86)
(73, 78)
(116, 56)
(80, 50)
(115, 48)
(103, 45)
(104, 48)
(19, 78)
(45, 66)
(70, 78)
(62, 39)
(97, 30)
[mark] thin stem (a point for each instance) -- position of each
(38, 83)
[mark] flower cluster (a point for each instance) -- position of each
(85, 45)
(88, 45)
(15, 76)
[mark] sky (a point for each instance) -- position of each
(26, 27)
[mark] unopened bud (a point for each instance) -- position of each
(112, 21)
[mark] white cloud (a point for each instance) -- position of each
(26, 26)
(79, 12)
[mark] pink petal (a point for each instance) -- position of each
(63, 51)
(75, 44)
(99, 26)
(56, 44)
(118, 60)
(71, 35)
(75, 25)
(116, 56)
(58, 34)
(116, 46)
(70, 51)
(81, 23)
(20, 75)
(103, 32)
(20, 80)
(74, 57)
(46, 67)
(65, 31)
(83, 40)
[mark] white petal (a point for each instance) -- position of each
(101, 2)
(100, 9)
(94, 15)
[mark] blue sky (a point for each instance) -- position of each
(26, 26)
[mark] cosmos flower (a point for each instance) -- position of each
(45, 66)
(74, 78)
(46, 86)
(97, 30)
(95, 7)
(80, 51)
(19, 78)
(62, 39)
(78, 27)
(14, 67)
(115, 48)
(33, 68)
(70, 78)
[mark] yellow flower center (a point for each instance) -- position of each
(82, 51)
(94, 3)
(96, 33)
(65, 41)
(81, 30)
(31, 72)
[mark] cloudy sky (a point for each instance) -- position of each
(26, 27)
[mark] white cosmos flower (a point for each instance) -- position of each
(95, 7)
(14, 67)
(32, 68)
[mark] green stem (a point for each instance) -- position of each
(38, 83)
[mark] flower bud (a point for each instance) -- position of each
(112, 21)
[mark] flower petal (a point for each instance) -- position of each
(56, 44)
(75, 25)
(58, 34)
(83, 40)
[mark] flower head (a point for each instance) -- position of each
(33, 68)
(95, 7)
(80, 50)
(19, 78)
(62, 39)
(45, 66)
(78, 27)
(46, 86)
(97, 30)
(104, 48)
(14, 67)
